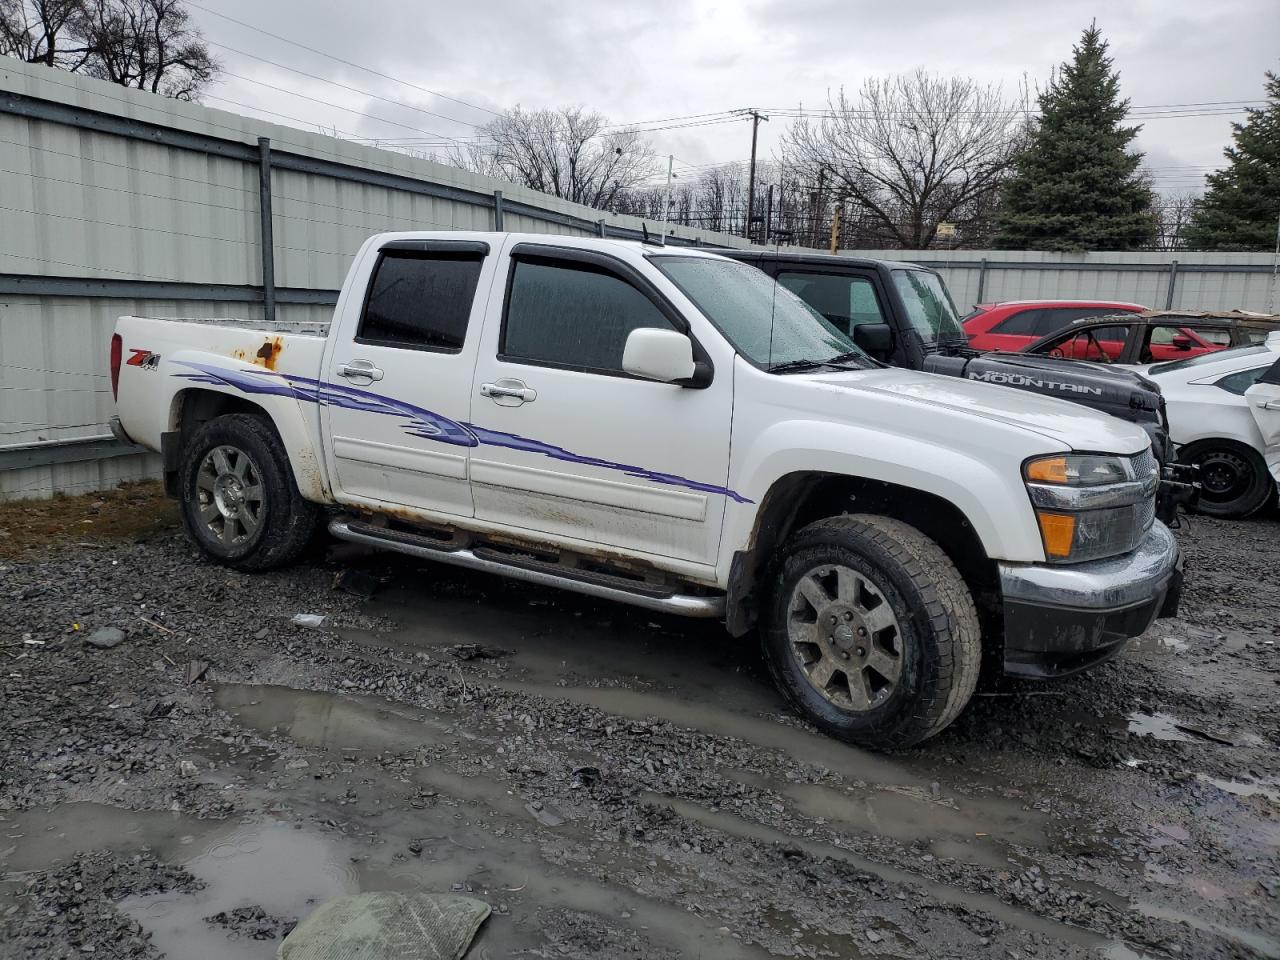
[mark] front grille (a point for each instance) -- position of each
(1146, 465)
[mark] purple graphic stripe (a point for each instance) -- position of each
(420, 422)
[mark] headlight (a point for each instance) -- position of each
(1091, 506)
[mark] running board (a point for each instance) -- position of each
(600, 585)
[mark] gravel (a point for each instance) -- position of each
(612, 783)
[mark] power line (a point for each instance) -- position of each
(321, 53)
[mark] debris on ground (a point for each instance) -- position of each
(474, 651)
(388, 926)
(105, 638)
(358, 583)
(424, 739)
(312, 621)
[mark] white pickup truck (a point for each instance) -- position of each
(671, 429)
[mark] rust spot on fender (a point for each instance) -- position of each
(267, 355)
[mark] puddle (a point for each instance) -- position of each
(285, 870)
(1262, 945)
(710, 717)
(37, 839)
(1158, 726)
(1158, 645)
(946, 827)
(330, 721)
(1244, 788)
(217, 750)
(749, 830)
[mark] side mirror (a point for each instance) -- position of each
(1181, 342)
(873, 338)
(663, 355)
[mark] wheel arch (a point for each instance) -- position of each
(802, 497)
(190, 408)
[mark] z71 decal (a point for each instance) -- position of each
(143, 358)
(419, 422)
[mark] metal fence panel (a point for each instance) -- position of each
(117, 201)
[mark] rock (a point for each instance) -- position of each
(186, 768)
(312, 621)
(474, 651)
(104, 638)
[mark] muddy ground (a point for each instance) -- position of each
(613, 783)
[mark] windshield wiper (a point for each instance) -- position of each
(804, 364)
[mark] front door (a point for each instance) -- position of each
(398, 391)
(1264, 403)
(569, 444)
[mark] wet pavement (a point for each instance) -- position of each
(612, 782)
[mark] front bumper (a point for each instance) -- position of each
(1061, 619)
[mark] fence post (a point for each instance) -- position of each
(982, 280)
(265, 241)
(600, 227)
(497, 210)
(1173, 281)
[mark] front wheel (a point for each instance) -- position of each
(1234, 481)
(239, 500)
(872, 633)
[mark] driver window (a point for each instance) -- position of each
(845, 302)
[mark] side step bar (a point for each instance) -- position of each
(602, 586)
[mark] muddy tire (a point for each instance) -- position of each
(872, 634)
(238, 497)
(1234, 480)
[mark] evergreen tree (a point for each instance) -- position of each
(1242, 205)
(1075, 186)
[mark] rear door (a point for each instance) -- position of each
(398, 385)
(570, 444)
(1264, 403)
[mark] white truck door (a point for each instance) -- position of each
(1264, 403)
(569, 444)
(397, 387)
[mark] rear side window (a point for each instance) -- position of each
(1024, 323)
(1240, 381)
(420, 300)
(846, 302)
(575, 316)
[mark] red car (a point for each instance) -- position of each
(1015, 324)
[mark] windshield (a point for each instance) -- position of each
(1217, 356)
(765, 322)
(928, 305)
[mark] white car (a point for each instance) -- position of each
(1222, 418)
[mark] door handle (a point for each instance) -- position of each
(352, 369)
(508, 393)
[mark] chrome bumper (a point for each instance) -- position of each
(1060, 619)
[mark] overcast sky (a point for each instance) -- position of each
(645, 61)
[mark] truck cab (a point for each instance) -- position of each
(671, 429)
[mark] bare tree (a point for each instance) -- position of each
(34, 31)
(570, 153)
(1173, 213)
(911, 151)
(148, 44)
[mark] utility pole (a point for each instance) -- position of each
(756, 116)
(666, 203)
(835, 226)
(1275, 273)
(768, 217)
(815, 227)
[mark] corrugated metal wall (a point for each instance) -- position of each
(85, 200)
(1200, 281)
(117, 201)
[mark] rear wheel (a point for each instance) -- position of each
(1234, 481)
(239, 500)
(872, 633)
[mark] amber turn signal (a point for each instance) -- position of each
(1048, 470)
(1058, 531)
